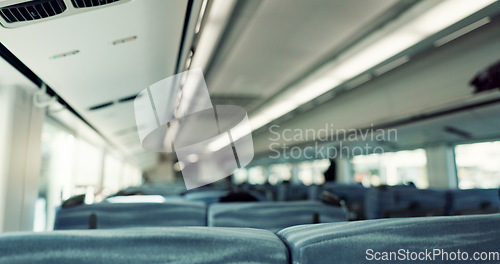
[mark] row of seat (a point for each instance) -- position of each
(272, 216)
(202, 209)
(117, 215)
(347, 242)
(408, 201)
(369, 203)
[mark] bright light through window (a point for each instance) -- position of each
(256, 175)
(240, 176)
(394, 168)
(478, 165)
(88, 165)
(112, 173)
(311, 172)
(280, 173)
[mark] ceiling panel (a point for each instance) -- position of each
(103, 72)
(429, 82)
(285, 38)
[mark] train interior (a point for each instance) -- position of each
(249, 131)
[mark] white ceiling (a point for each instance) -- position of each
(284, 39)
(436, 80)
(103, 72)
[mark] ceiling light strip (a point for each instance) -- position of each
(391, 65)
(200, 17)
(370, 53)
(462, 31)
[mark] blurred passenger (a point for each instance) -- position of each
(331, 172)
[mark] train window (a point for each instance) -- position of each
(477, 165)
(112, 171)
(56, 181)
(131, 176)
(392, 168)
(311, 172)
(257, 175)
(279, 173)
(240, 176)
(88, 167)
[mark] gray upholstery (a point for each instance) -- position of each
(348, 242)
(118, 215)
(206, 196)
(272, 216)
(353, 196)
(293, 192)
(144, 245)
(347, 192)
(474, 201)
(157, 189)
(404, 202)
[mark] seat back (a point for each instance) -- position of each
(359, 241)
(206, 196)
(273, 216)
(404, 202)
(156, 189)
(347, 192)
(353, 196)
(474, 201)
(416, 202)
(144, 245)
(118, 215)
(294, 192)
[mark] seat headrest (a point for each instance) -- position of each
(145, 245)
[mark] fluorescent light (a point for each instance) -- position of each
(448, 13)
(314, 90)
(270, 113)
(392, 65)
(219, 14)
(240, 130)
(358, 81)
(200, 17)
(237, 132)
(370, 53)
(462, 31)
(376, 54)
(219, 142)
(188, 62)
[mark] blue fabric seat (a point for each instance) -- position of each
(353, 196)
(404, 202)
(118, 215)
(474, 201)
(156, 189)
(206, 196)
(273, 216)
(347, 192)
(294, 192)
(350, 242)
(144, 245)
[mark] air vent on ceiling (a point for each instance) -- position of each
(91, 3)
(32, 10)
